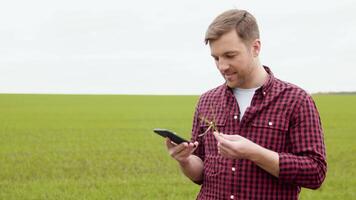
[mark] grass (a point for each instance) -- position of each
(102, 147)
(338, 118)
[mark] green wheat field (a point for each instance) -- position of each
(102, 147)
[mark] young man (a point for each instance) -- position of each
(255, 136)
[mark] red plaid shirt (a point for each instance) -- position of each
(282, 118)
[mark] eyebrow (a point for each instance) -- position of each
(225, 53)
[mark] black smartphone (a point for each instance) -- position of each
(170, 134)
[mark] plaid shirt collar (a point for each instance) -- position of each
(267, 91)
(265, 88)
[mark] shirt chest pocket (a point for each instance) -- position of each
(207, 128)
(210, 143)
(270, 132)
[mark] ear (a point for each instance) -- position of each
(256, 47)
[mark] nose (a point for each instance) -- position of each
(222, 66)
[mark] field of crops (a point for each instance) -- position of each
(103, 147)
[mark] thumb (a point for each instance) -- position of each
(231, 137)
(218, 136)
(169, 143)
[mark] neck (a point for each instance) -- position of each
(258, 77)
(261, 76)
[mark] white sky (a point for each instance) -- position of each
(156, 47)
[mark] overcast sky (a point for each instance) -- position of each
(156, 47)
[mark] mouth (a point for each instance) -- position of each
(229, 76)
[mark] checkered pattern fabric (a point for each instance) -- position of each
(282, 118)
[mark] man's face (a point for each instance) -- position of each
(235, 59)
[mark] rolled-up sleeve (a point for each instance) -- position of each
(305, 162)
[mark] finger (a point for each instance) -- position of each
(228, 144)
(195, 145)
(191, 148)
(226, 152)
(218, 147)
(221, 151)
(231, 137)
(186, 152)
(169, 143)
(223, 148)
(217, 136)
(178, 148)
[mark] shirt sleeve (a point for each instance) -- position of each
(305, 163)
(199, 151)
(196, 131)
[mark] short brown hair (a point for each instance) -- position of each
(242, 21)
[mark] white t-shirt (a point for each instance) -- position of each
(244, 98)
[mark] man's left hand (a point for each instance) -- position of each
(235, 146)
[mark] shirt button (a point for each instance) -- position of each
(270, 123)
(233, 169)
(232, 197)
(264, 93)
(235, 117)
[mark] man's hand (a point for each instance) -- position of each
(182, 151)
(191, 165)
(238, 147)
(234, 146)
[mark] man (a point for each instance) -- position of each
(255, 136)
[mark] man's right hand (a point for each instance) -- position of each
(191, 165)
(182, 151)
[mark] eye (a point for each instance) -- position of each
(216, 58)
(230, 56)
